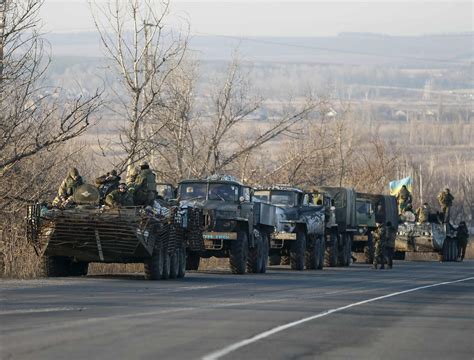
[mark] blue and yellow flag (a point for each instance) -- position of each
(396, 185)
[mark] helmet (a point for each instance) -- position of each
(113, 173)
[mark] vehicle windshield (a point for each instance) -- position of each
(287, 198)
(192, 191)
(224, 192)
(364, 207)
(262, 195)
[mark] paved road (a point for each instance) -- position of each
(417, 310)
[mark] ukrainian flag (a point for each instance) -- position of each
(396, 185)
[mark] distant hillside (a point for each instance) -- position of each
(347, 48)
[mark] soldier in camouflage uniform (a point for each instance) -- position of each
(423, 213)
(463, 238)
(380, 241)
(107, 183)
(390, 245)
(446, 199)
(120, 197)
(145, 186)
(68, 187)
(404, 199)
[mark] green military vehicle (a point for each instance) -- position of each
(300, 229)
(69, 238)
(340, 224)
(372, 208)
(235, 226)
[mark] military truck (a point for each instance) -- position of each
(69, 238)
(235, 226)
(428, 237)
(372, 208)
(300, 229)
(340, 224)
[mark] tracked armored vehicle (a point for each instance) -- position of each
(235, 226)
(300, 229)
(70, 238)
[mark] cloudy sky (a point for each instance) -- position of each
(289, 18)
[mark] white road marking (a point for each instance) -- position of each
(231, 348)
(32, 311)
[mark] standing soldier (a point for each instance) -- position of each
(423, 213)
(107, 183)
(390, 245)
(404, 199)
(68, 187)
(446, 201)
(463, 238)
(380, 240)
(119, 197)
(145, 186)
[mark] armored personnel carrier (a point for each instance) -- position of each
(70, 238)
(300, 230)
(427, 238)
(235, 226)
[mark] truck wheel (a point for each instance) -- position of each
(56, 266)
(166, 266)
(154, 266)
(297, 251)
(192, 260)
(274, 260)
(342, 258)
(79, 268)
(285, 260)
(455, 249)
(445, 250)
(322, 249)
(266, 249)
(182, 262)
(311, 256)
(239, 253)
(255, 254)
(347, 250)
(174, 264)
(331, 253)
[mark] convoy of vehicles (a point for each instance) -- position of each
(221, 217)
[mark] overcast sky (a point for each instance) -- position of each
(289, 18)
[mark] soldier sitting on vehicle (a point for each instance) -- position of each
(107, 183)
(68, 187)
(119, 197)
(446, 199)
(463, 238)
(408, 214)
(423, 213)
(404, 199)
(145, 186)
(380, 240)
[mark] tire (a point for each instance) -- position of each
(310, 257)
(192, 260)
(285, 260)
(297, 251)
(445, 250)
(369, 250)
(331, 253)
(182, 262)
(79, 268)
(166, 266)
(154, 266)
(266, 250)
(174, 264)
(322, 249)
(344, 254)
(239, 253)
(455, 250)
(255, 254)
(56, 266)
(274, 260)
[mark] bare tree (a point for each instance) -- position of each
(144, 52)
(31, 121)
